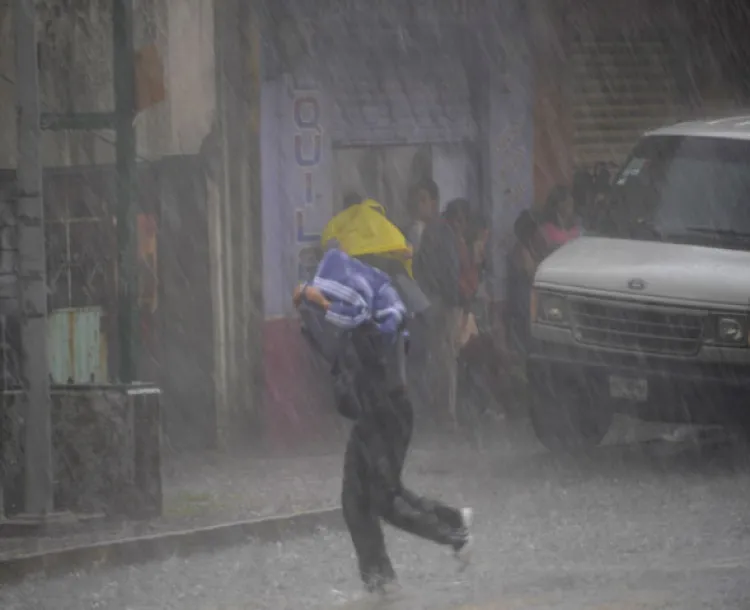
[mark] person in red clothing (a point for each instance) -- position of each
(456, 216)
(469, 272)
(561, 224)
(468, 275)
(481, 358)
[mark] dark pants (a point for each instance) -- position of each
(374, 460)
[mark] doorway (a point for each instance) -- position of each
(387, 174)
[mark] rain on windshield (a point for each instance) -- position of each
(681, 185)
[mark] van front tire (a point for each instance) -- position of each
(566, 415)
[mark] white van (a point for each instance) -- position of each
(648, 313)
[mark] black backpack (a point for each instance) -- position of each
(333, 345)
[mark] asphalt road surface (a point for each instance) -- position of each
(644, 526)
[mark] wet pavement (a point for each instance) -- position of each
(208, 488)
(642, 525)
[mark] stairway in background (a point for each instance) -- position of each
(619, 88)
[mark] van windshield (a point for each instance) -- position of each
(683, 189)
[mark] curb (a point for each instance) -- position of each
(141, 549)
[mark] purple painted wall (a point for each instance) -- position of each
(510, 162)
(297, 200)
(298, 128)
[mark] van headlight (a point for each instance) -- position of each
(730, 330)
(550, 308)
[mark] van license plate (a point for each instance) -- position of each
(628, 388)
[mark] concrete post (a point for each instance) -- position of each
(124, 84)
(236, 239)
(253, 295)
(32, 272)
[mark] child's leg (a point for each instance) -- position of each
(399, 506)
(384, 434)
(361, 519)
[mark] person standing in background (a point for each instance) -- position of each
(477, 237)
(561, 223)
(444, 270)
(480, 359)
(424, 207)
(529, 250)
(352, 198)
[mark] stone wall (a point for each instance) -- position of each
(105, 450)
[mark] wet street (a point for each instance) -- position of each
(648, 525)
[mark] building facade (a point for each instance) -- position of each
(496, 102)
(607, 72)
(369, 99)
(198, 205)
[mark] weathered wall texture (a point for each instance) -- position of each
(76, 76)
(553, 136)
(698, 50)
(201, 288)
(232, 158)
(506, 99)
(105, 451)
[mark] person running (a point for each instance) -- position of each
(360, 301)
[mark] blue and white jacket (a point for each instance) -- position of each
(358, 293)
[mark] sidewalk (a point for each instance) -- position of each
(208, 488)
(204, 489)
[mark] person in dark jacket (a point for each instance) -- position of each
(444, 270)
(362, 303)
(529, 250)
(423, 208)
(352, 198)
(443, 255)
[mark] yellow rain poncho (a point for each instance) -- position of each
(364, 229)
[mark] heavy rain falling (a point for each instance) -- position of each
(406, 304)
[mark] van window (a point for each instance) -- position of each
(685, 189)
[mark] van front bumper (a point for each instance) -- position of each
(713, 388)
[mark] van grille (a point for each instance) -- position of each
(636, 327)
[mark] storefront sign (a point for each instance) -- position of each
(310, 215)
(308, 148)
